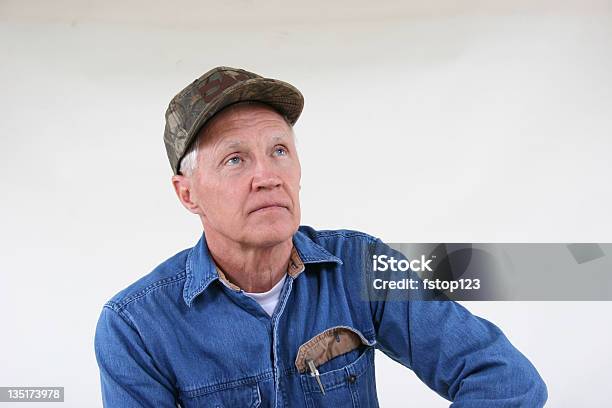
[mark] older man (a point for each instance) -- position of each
(264, 313)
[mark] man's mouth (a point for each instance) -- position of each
(269, 207)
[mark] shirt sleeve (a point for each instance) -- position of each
(464, 358)
(128, 374)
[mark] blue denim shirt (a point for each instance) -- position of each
(180, 337)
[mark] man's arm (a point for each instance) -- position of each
(464, 358)
(128, 374)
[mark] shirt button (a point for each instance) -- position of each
(352, 378)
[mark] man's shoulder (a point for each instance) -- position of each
(331, 237)
(170, 271)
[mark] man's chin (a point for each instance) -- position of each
(271, 234)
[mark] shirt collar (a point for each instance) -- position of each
(201, 269)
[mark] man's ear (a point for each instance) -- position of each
(183, 190)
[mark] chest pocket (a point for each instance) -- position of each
(242, 396)
(337, 369)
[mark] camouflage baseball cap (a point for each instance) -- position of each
(220, 87)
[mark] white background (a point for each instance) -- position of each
(426, 122)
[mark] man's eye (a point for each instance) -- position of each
(233, 161)
(280, 151)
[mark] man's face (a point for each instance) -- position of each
(246, 184)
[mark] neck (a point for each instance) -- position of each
(253, 269)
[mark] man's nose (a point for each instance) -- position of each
(265, 177)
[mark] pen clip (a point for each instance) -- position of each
(315, 373)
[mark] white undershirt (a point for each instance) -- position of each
(267, 300)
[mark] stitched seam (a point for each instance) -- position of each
(126, 316)
(317, 260)
(156, 285)
(211, 388)
(188, 276)
(115, 308)
(331, 234)
(322, 252)
(198, 290)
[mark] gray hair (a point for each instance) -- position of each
(189, 162)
